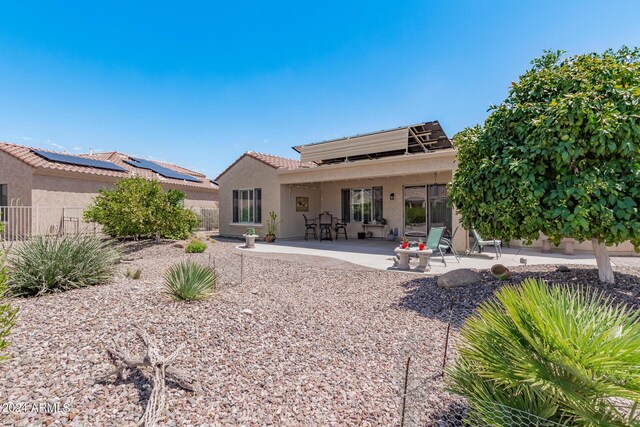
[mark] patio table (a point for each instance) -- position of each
(423, 256)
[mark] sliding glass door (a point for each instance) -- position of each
(415, 211)
(425, 207)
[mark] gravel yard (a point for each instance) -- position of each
(326, 343)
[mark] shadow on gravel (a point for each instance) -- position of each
(424, 297)
(131, 247)
(142, 384)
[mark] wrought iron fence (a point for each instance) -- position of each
(208, 218)
(25, 222)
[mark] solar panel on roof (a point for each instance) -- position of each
(166, 172)
(78, 161)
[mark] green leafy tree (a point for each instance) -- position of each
(138, 207)
(559, 156)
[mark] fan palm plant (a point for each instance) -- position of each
(188, 281)
(559, 353)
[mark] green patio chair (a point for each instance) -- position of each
(480, 243)
(447, 244)
(433, 241)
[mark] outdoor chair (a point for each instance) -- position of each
(480, 243)
(310, 226)
(341, 224)
(434, 240)
(447, 244)
(326, 223)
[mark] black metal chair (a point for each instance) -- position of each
(341, 224)
(310, 225)
(326, 223)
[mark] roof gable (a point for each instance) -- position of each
(275, 162)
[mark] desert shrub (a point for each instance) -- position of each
(196, 246)
(138, 207)
(133, 274)
(560, 353)
(50, 264)
(7, 313)
(189, 281)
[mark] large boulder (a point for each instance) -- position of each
(458, 278)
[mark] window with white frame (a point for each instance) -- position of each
(247, 206)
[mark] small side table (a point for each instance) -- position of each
(423, 256)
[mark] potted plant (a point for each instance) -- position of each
(250, 237)
(405, 242)
(420, 245)
(272, 227)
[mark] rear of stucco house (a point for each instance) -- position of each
(55, 191)
(395, 176)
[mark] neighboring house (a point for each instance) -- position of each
(398, 175)
(51, 181)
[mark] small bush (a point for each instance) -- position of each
(196, 246)
(7, 313)
(50, 264)
(138, 207)
(187, 281)
(559, 353)
(134, 274)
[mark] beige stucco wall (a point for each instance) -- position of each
(292, 221)
(57, 195)
(624, 249)
(248, 173)
(17, 175)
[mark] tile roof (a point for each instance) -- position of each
(26, 155)
(276, 162)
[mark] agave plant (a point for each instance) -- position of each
(50, 264)
(559, 353)
(188, 281)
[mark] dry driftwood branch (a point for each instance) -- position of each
(122, 361)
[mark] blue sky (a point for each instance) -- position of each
(199, 83)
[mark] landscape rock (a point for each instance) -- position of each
(563, 269)
(325, 345)
(247, 311)
(459, 278)
(180, 244)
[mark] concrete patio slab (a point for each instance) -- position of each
(378, 254)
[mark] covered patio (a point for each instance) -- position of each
(379, 255)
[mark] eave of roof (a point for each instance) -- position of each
(444, 153)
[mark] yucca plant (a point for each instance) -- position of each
(49, 264)
(559, 353)
(188, 281)
(196, 246)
